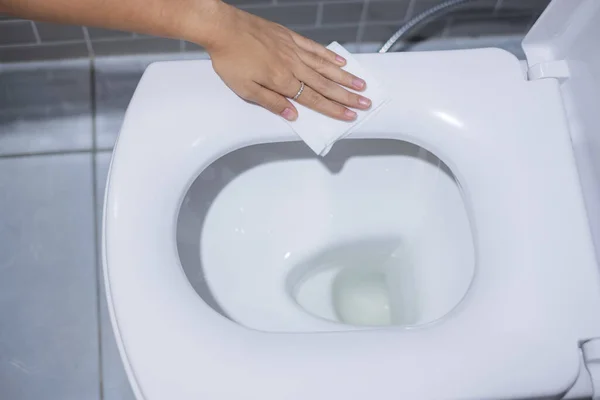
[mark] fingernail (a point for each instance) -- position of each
(350, 114)
(363, 101)
(340, 59)
(358, 83)
(288, 114)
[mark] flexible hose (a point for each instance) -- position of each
(420, 18)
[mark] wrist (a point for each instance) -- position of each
(206, 21)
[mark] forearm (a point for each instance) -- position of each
(192, 20)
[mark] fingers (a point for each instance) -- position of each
(288, 85)
(332, 72)
(319, 94)
(319, 50)
(274, 95)
(316, 101)
(332, 90)
(273, 102)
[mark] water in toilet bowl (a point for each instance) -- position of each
(380, 283)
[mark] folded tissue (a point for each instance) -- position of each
(320, 132)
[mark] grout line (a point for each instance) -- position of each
(261, 6)
(11, 21)
(28, 45)
(410, 9)
(88, 43)
(319, 15)
(104, 150)
(362, 22)
(45, 153)
(86, 39)
(35, 32)
(96, 228)
(498, 6)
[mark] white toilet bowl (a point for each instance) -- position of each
(238, 265)
(278, 224)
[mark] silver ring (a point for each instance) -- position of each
(299, 91)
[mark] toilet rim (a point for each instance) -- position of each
(144, 166)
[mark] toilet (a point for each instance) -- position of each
(447, 249)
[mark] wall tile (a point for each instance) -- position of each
(337, 19)
(508, 7)
(45, 87)
(247, 2)
(136, 46)
(114, 89)
(46, 110)
(188, 46)
(100, 33)
(43, 52)
(479, 6)
(461, 27)
(293, 15)
(16, 32)
(381, 33)
(310, 1)
(378, 10)
(56, 32)
(340, 13)
(327, 35)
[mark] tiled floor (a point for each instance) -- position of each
(56, 341)
(48, 292)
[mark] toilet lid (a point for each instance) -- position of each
(516, 333)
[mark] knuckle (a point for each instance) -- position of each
(345, 77)
(281, 79)
(314, 100)
(277, 104)
(324, 86)
(351, 98)
(246, 93)
(339, 111)
(321, 62)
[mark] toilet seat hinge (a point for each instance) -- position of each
(551, 69)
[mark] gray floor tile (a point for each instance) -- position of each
(48, 288)
(115, 384)
(45, 109)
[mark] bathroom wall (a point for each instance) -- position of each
(347, 21)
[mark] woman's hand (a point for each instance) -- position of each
(265, 63)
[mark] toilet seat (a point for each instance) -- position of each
(534, 298)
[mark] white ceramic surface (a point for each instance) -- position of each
(506, 140)
(283, 219)
(534, 298)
